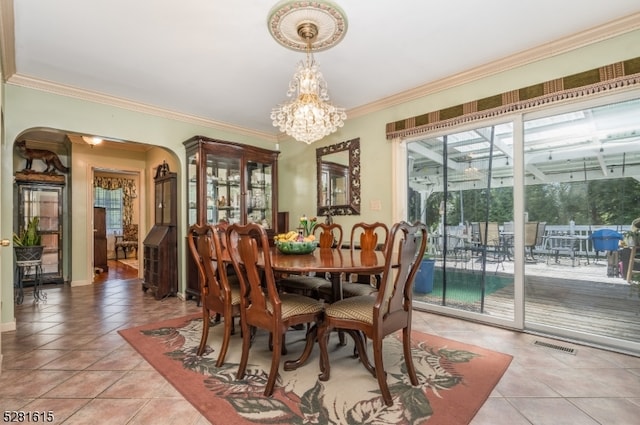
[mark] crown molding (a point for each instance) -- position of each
(575, 41)
(73, 92)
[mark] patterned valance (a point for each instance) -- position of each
(604, 79)
(129, 192)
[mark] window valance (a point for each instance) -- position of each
(606, 78)
(129, 192)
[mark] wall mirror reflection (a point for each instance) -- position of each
(338, 169)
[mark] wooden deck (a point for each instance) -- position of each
(580, 298)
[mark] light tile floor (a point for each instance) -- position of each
(67, 357)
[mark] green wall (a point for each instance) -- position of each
(26, 108)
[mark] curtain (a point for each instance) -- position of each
(128, 187)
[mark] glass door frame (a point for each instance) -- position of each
(399, 168)
(399, 156)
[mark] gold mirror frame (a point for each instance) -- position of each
(353, 204)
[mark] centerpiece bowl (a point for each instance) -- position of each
(291, 247)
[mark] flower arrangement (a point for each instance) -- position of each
(307, 225)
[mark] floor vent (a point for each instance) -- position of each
(556, 347)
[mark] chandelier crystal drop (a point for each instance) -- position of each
(307, 26)
(310, 115)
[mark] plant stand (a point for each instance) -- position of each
(28, 257)
(22, 269)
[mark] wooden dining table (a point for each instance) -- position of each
(334, 261)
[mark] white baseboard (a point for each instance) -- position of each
(8, 326)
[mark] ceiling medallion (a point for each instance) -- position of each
(307, 26)
(286, 16)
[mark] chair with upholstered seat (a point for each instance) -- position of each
(261, 305)
(374, 317)
(128, 240)
(365, 237)
(216, 293)
(328, 236)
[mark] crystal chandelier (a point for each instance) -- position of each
(310, 115)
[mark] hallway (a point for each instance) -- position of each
(66, 357)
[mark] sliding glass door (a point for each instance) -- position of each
(582, 171)
(460, 185)
(528, 219)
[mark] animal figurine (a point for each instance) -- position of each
(50, 159)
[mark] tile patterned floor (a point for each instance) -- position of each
(67, 357)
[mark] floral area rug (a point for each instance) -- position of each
(455, 379)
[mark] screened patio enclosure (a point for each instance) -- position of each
(568, 172)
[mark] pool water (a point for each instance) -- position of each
(465, 286)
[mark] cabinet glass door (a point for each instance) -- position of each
(167, 203)
(260, 194)
(158, 204)
(45, 202)
(192, 190)
(223, 189)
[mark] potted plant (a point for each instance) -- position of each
(26, 243)
(632, 237)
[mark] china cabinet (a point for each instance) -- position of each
(160, 253)
(229, 182)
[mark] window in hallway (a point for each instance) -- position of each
(111, 199)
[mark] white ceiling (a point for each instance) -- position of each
(215, 59)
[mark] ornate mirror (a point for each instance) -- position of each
(338, 168)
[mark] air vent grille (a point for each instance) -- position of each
(556, 347)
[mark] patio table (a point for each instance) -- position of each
(566, 243)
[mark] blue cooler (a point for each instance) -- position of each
(605, 240)
(608, 240)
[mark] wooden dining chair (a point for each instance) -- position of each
(328, 236)
(365, 237)
(367, 317)
(216, 293)
(261, 305)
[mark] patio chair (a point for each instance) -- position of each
(328, 236)
(261, 305)
(530, 238)
(216, 293)
(367, 317)
(540, 234)
(490, 243)
(128, 240)
(506, 236)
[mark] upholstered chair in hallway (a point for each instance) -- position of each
(128, 240)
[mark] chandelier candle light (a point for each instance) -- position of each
(317, 25)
